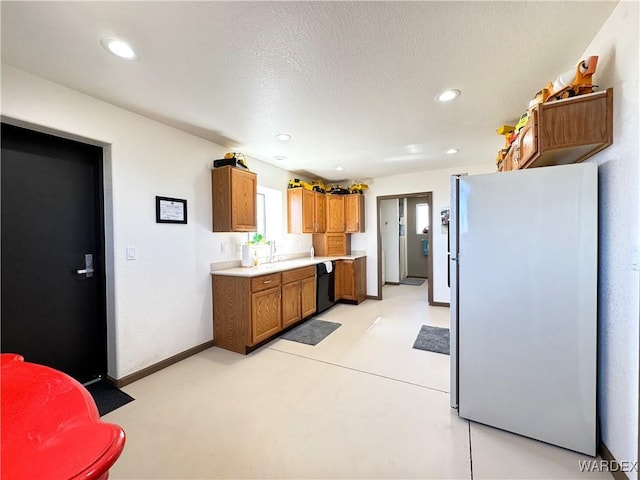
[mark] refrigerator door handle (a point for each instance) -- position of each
(454, 288)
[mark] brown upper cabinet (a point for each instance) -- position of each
(564, 131)
(234, 200)
(306, 211)
(354, 213)
(320, 210)
(335, 214)
(331, 244)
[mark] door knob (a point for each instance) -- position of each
(87, 271)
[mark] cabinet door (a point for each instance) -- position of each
(308, 211)
(308, 296)
(338, 280)
(291, 303)
(360, 279)
(528, 141)
(349, 280)
(337, 244)
(244, 190)
(508, 159)
(354, 213)
(344, 280)
(321, 212)
(265, 314)
(335, 213)
(294, 210)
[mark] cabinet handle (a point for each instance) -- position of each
(266, 282)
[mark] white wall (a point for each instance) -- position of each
(159, 304)
(617, 44)
(436, 181)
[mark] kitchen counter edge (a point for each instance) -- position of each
(267, 268)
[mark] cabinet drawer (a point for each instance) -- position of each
(265, 281)
(298, 274)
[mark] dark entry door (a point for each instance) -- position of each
(51, 219)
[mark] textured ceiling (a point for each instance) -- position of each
(352, 82)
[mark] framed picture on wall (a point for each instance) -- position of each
(171, 210)
(444, 219)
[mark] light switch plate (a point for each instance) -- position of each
(131, 253)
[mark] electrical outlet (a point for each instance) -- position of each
(223, 247)
(634, 259)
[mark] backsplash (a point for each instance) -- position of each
(227, 248)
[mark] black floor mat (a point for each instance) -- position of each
(107, 397)
(311, 332)
(433, 339)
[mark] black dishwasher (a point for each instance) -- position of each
(325, 297)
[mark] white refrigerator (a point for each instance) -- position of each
(523, 302)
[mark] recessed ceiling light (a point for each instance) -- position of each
(339, 168)
(119, 48)
(451, 151)
(280, 158)
(448, 95)
(283, 137)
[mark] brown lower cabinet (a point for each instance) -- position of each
(298, 294)
(266, 318)
(249, 310)
(351, 280)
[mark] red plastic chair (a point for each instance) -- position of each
(50, 426)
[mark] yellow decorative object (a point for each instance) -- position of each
(297, 183)
(358, 188)
(319, 186)
(505, 129)
(522, 122)
(570, 83)
(239, 157)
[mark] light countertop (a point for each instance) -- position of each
(267, 268)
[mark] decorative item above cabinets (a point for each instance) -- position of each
(561, 132)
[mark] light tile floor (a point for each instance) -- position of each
(360, 404)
